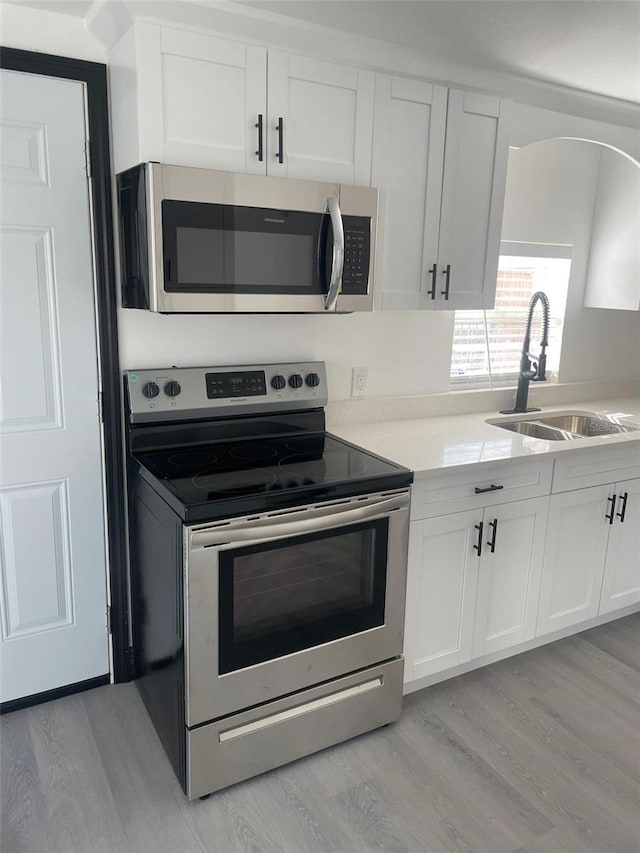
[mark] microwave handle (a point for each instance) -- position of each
(337, 262)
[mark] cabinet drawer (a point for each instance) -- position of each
(479, 486)
(579, 469)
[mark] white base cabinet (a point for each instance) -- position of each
(509, 575)
(592, 554)
(523, 563)
(474, 575)
(441, 594)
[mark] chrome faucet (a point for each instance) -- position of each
(532, 368)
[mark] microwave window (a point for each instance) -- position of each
(211, 257)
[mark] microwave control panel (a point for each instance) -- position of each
(357, 253)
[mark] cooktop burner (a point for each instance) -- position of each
(262, 468)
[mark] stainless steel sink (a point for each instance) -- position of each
(565, 426)
(584, 424)
(536, 430)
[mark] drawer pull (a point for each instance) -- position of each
(491, 488)
(610, 515)
(478, 546)
(623, 511)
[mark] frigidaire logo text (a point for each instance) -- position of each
(270, 219)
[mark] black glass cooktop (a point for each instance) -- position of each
(213, 480)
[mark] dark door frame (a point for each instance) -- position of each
(94, 75)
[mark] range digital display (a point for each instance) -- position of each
(247, 383)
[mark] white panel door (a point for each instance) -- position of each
(442, 579)
(575, 550)
(621, 581)
(509, 575)
(475, 171)
(52, 545)
(327, 119)
(213, 94)
(408, 149)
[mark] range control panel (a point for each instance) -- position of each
(179, 393)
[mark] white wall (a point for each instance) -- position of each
(550, 199)
(48, 32)
(614, 264)
(405, 352)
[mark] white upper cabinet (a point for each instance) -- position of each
(193, 99)
(320, 119)
(440, 160)
(213, 95)
(408, 149)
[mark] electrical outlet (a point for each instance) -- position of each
(358, 381)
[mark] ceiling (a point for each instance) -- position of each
(593, 45)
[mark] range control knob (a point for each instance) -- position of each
(312, 380)
(278, 382)
(172, 388)
(295, 380)
(150, 390)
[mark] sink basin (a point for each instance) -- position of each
(564, 426)
(537, 430)
(584, 425)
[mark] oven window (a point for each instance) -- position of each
(292, 594)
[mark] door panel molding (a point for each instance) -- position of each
(94, 75)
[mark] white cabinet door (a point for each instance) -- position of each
(408, 151)
(574, 557)
(213, 95)
(326, 110)
(509, 575)
(621, 581)
(441, 593)
(440, 160)
(475, 169)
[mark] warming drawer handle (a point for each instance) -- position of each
(321, 519)
(300, 710)
(337, 262)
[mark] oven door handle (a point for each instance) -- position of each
(316, 520)
(337, 262)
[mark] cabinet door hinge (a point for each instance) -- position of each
(87, 158)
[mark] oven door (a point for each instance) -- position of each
(278, 603)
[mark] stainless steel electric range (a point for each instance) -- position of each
(268, 568)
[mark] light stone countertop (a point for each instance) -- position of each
(427, 444)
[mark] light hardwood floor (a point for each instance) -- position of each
(536, 754)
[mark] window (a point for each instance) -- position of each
(487, 344)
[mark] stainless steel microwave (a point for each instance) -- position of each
(197, 240)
